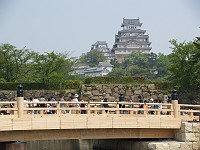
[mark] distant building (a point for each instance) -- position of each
(102, 69)
(130, 38)
(102, 47)
(80, 70)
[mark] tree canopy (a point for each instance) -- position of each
(92, 58)
(150, 65)
(14, 62)
(183, 65)
(51, 67)
(24, 65)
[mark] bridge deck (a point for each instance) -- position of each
(69, 123)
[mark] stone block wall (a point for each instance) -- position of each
(97, 92)
(186, 138)
(112, 91)
(190, 134)
(10, 94)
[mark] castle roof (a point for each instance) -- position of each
(132, 31)
(135, 22)
(104, 64)
(100, 43)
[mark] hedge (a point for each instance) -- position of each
(26, 86)
(163, 85)
(115, 80)
(70, 84)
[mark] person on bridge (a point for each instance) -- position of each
(35, 100)
(75, 99)
(83, 105)
(105, 105)
(53, 104)
(140, 100)
(121, 99)
(62, 105)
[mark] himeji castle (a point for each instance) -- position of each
(130, 38)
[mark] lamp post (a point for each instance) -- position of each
(20, 101)
(20, 91)
(174, 95)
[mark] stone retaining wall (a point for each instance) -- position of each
(186, 138)
(144, 145)
(97, 92)
(112, 91)
(10, 94)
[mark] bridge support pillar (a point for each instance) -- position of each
(16, 146)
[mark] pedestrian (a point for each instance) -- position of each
(105, 105)
(140, 105)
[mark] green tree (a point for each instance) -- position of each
(52, 68)
(14, 63)
(152, 60)
(150, 65)
(162, 66)
(92, 58)
(136, 64)
(195, 58)
(137, 58)
(117, 72)
(182, 67)
(115, 63)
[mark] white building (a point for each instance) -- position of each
(102, 69)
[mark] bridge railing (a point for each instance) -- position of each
(8, 108)
(99, 108)
(193, 111)
(175, 110)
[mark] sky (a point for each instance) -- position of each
(72, 26)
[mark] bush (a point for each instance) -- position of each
(163, 85)
(73, 84)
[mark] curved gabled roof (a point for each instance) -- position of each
(135, 22)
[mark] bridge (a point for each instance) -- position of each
(20, 123)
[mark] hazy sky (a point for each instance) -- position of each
(74, 25)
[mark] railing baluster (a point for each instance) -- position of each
(117, 108)
(88, 106)
(58, 111)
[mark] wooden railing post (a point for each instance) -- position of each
(95, 111)
(88, 106)
(20, 106)
(175, 108)
(15, 112)
(117, 106)
(58, 108)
